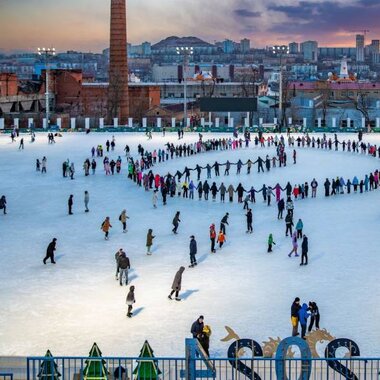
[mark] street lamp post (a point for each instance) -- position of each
(186, 52)
(47, 53)
(280, 51)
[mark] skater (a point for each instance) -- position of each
(117, 255)
(295, 245)
(50, 251)
(86, 201)
(223, 223)
(305, 249)
(177, 283)
(176, 222)
(212, 237)
(72, 170)
(21, 146)
(149, 241)
(38, 165)
(204, 339)
(123, 266)
(270, 243)
(314, 316)
(193, 252)
(197, 327)
(43, 165)
(281, 207)
(303, 315)
(3, 204)
(123, 219)
(155, 198)
(106, 225)
(70, 204)
(289, 224)
(249, 221)
(294, 315)
(221, 239)
(299, 228)
(130, 301)
(314, 186)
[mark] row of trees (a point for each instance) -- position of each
(96, 368)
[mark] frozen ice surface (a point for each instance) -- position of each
(68, 306)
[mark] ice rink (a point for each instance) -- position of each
(67, 306)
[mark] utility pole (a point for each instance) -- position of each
(47, 53)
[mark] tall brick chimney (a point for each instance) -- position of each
(118, 99)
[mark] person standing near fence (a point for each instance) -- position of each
(294, 315)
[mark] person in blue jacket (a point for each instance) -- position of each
(303, 315)
(299, 228)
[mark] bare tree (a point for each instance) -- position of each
(361, 103)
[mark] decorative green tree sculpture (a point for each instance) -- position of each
(95, 369)
(146, 369)
(48, 368)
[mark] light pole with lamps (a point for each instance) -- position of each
(47, 53)
(280, 50)
(186, 52)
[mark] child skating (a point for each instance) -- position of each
(149, 241)
(270, 243)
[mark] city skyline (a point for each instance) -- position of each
(84, 24)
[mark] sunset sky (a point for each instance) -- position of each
(84, 24)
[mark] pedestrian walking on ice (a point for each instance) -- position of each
(193, 251)
(149, 241)
(177, 283)
(86, 201)
(130, 301)
(270, 243)
(50, 251)
(106, 225)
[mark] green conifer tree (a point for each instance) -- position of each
(48, 368)
(146, 369)
(95, 369)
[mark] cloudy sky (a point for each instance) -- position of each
(84, 24)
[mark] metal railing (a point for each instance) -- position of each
(6, 376)
(107, 368)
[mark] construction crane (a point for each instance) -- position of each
(363, 31)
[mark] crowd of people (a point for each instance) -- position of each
(181, 184)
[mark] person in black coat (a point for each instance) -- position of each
(3, 204)
(315, 316)
(193, 252)
(223, 223)
(70, 204)
(281, 208)
(294, 315)
(327, 187)
(50, 251)
(289, 224)
(249, 221)
(197, 327)
(305, 249)
(176, 222)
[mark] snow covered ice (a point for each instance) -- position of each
(67, 306)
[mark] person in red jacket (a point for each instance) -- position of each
(212, 237)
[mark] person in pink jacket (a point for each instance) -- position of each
(295, 245)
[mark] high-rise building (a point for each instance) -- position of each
(118, 98)
(360, 48)
(294, 48)
(245, 45)
(309, 49)
(228, 46)
(375, 46)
